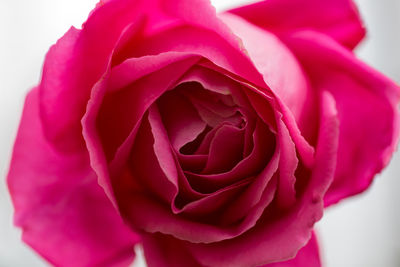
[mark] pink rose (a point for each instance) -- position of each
(214, 140)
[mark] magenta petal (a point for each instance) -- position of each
(204, 146)
(148, 171)
(367, 110)
(204, 16)
(180, 119)
(202, 42)
(192, 163)
(226, 149)
(290, 87)
(163, 71)
(62, 210)
(286, 194)
(210, 80)
(308, 256)
(138, 101)
(150, 216)
(279, 240)
(271, 59)
(73, 65)
(339, 19)
(128, 96)
(162, 147)
(166, 161)
(133, 69)
(166, 251)
(147, 214)
(205, 208)
(253, 164)
(253, 201)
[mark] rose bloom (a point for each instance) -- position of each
(210, 139)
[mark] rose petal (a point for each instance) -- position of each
(271, 58)
(307, 256)
(209, 208)
(210, 80)
(133, 69)
(161, 250)
(180, 119)
(162, 146)
(74, 64)
(143, 97)
(202, 42)
(209, 36)
(253, 201)
(146, 213)
(122, 107)
(72, 67)
(290, 88)
(149, 171)
(149, 215)
(286, 194)
(63, 212)
(192, 163)
(163, 155)
(165, 251)
(262, 152)
(166, 178)
(367, 107)
(339, 19)
(280, 239)
(226, 149)
(209, 105)
(204, 146)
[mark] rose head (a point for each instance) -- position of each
(214, 140)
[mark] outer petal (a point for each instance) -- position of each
(308, 256)
(63, 212)
(339, 19)
(367, 104)
(72, 67)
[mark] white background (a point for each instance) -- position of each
(360, 232)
